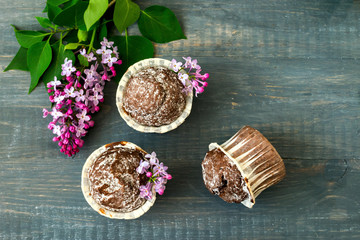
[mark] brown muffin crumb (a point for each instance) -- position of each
(114, 182)
(223, 178)
(154, 97)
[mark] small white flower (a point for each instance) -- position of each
(80, 97)
(83, 51)
(175, 65)
(57, 130)
(55, 83)
(67, 68)
(55, 113)
(58, 99)
(103, 51)
(82, 116)
(183, 77)
(71, 92)
(187, 61)
(106, 43)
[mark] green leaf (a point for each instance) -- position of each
(19, 61)
(59, 54)
(72, 16)
(126, 13)
(131, 50)
(44, 22)
(38, 59)
(82, 35)
(70, 3)
(71, 37)
(72, 46)
(45, 9)
(103, 32)
(27, 38)
(83, 60)
(52, 11)
(52, 8)
(159, 24)
(94, 12)
(57, 2)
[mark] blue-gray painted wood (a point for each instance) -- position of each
(288, 68)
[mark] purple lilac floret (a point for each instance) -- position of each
(145, 191)
(78, 94)
(156, 172)
(192, 77)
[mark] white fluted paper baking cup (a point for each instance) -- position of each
(256, 158)
(151, 62)
(85, 186)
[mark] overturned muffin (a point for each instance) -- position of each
(222, 177)
(242, 167)
(154, 96)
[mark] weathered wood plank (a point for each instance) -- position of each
(313, 198)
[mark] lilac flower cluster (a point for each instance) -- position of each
(193, 79)
(156, 172)
(77, 95)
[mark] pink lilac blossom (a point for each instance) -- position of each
(67, 68)
(160, 169)
(183, 77)
(152, 158)
(156, 172)
(143, 166)
(145, 191)
(192, 79)
(106, 43)
(90, 57)
(54, 83)
(176, 66)
(77, 95)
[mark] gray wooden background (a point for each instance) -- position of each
(289, 68)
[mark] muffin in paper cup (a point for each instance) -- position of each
(105, 180)
(242, 167)
(157, 105)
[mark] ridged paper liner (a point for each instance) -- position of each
(151, 62)
(257, 160)
(85, 186)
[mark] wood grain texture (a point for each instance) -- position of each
(288, 68)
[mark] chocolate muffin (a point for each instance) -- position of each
(154, 96)
(150, 97)
(242, 167)
(110, 182)
(114, 182)
(223, 178)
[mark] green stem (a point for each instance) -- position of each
(61, 31)
(111, 3)
(55, 31)
(126, 42)
(50, 36)
(66, 33)
(92, 41)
